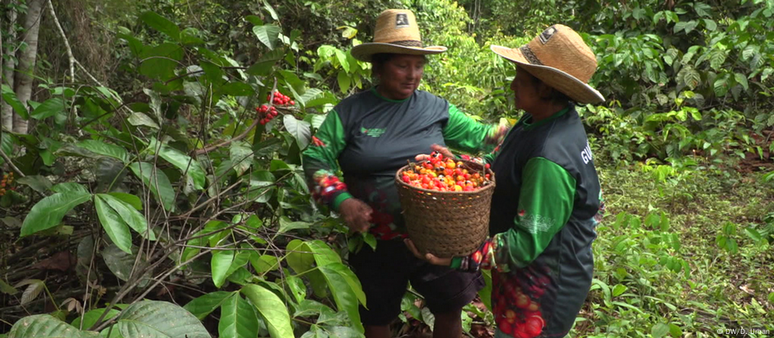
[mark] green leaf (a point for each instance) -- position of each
(183, 162)
(342, 58)
(264, 263)
(221, 262)
(721, 86)
(129, 199)
(675, 331)
(692, 78)
(157, 182)
(297, 287)
(90, 318)
(44, 326)
(114, 226)
(69, 187)
(237, 318)
(9, 96)
(149, 318)
(618, 290)
(659, 330)
(121, 263)
(710, 24)
(202, 306)
(129, 215)
(753, 234)
(36, 182)
(160, 62)
(344, 81)
(742, 80)
(48, 108)
(237, 89)
(309, 95)
(161, 24)
(267, 34)
(242, 155)
(286, 225)
(102, 148)
(49, 211)
(346, 290)
(140, 119)
(266, 62)
(272, 309)
(300, 130)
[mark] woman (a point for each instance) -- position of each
(369, 136)
(547, 194)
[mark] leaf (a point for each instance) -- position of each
(309, 95)
(44, 326)
(710, 24)
(49, 211)
(237, 318)
(342, 58)
(157, 181)
(221, 262)
(742, 80)
(242, 155)
(721, 86)
(161, 24)
(48, 108)
(129, 215)
(33, 290)
(618, 290)
(105, 149)
(140, 119)
(692, 78)
(114, 226)
(237, 89)
(346, 290)
(659, 330)
(202, 306)
(286, 225)
(90, 318)
(160, 62)
(159, 319)
(7, 288)
(264, 263)
(300, 130)
(119, 262)
(271, 308)
(181, 161)
(69, 187)
(129, 199)
(344, 81)
(267, 34)
(266, 62)
(36, 182)
(9, 96)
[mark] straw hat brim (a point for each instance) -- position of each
(569, 85)
(364, 51)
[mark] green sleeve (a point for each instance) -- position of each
(321, 159)
(545, 204)
(464, 133)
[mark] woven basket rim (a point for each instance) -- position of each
(449, 193)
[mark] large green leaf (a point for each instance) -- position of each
(266, 62)
(301, 130)
(49, 211)
(159, 320)
(48, 108)
(202, 306)
(141, 119)
(130, 199)
(221, 262)
(346, 290)
(185, 163)
(160, 62)
(90, 318)
(344, 81)
(122, 264)
(114, 226)
(742, 80)
(129, 215)
(237, 319)
(272, 309)
(105, 149)
(157, 181)
(161, 24)
(9, 96)
(267, 34)
(44, 326)
(242, 155)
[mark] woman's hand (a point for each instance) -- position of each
(356, 214)
(441, 149)
(427, 257)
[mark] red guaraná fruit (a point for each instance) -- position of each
(534, 326)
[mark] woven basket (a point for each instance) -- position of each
(446, 223)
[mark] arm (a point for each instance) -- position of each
(545, 205)
(321, 163)
(463, 133)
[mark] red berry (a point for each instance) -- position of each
(292, 103)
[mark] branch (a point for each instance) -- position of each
(66, 42)
(240, 136)
(8, 160)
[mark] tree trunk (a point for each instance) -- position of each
(27, 60)
(7, 65)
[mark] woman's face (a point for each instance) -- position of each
(400, 76)
(525, 90)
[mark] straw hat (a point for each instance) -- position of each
(561, 59)
(396, 32)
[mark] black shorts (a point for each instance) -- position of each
(385, 274)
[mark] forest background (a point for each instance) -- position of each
(142, 195)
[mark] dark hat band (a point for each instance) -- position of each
(408, 43)
(529, 55)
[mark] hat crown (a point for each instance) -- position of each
(562, 48)
(397, 26)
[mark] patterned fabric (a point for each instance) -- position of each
(327, 186)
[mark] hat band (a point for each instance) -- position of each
(529, 55)
(408, 43)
